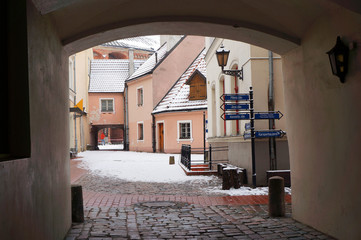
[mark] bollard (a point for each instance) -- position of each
(77, 209)
(276, 197)
(171, 160)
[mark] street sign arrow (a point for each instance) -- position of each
(236, 116)
(234, 106)
(269, 133)
(247, 135)
(268, 115)
(235, 97)
(264, 134)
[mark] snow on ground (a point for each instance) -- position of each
(151, 167)
(136, 166)
(111, 146)
(246, 191)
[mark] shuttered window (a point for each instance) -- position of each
(198, 88)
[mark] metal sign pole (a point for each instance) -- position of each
(254, 178)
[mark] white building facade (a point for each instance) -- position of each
(260, 67)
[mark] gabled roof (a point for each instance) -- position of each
(177, 97)
(109, 75)
(147, 43)
(150, 64)
(154, 61)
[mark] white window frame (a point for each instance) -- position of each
(190, 129)
(100, 105)
(140, 140)
(137, 100)
(72, 73)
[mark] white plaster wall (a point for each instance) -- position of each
(323, 116)
(35, 191)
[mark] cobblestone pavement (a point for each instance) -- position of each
(174, 220)
(116, 210)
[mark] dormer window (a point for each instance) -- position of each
(197, 85)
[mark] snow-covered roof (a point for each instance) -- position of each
(150, 63)
(109, 75)
(177, 99)
(148, 43)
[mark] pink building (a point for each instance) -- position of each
(148, 86)
(106, 99)
(180, 115)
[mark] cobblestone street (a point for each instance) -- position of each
(116, 209)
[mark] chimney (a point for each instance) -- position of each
(131, 61)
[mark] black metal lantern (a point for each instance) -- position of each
(222, 57)
(338, 56)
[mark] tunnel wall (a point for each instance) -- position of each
(35, 190)
(323, 120)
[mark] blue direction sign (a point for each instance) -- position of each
(264, 134)
(267, 115)
(269, 133)
(235, 97)
(247, 126)
(236, 116)
(235, 106)
(247, 135)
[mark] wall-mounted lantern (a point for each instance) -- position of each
(222, 57)
(338, 56)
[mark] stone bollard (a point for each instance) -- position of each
(171, 160)
(226, 181)
(276, 197)
(77, 209)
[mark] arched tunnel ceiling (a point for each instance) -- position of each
(278, 25)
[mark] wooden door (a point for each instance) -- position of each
(161, 137)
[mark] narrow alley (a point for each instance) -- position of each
(117, 207)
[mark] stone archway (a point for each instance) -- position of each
(324, 130)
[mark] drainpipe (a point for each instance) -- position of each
(126, 127)
(75, 129)
(153, 134)
(271, 107)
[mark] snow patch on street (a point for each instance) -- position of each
(152, 167)
(137, 166)
(243, 191)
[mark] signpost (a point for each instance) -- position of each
(233, 110)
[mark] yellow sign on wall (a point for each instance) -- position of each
(80, 105)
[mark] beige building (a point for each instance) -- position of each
(147, 86)
(255, 62)
(79, 67)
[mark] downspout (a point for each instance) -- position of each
(153, 134)
(271, 107)
(75, 129)
(131, 70)
(126, 127)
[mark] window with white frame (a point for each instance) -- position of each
(140, 131)
(107, 105)
(140, 96)
(185, 130)
(72, 73)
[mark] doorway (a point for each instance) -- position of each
(161, 137)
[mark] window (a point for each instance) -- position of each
(185, 130)
(140, 132)
(72, 73)
(107, 105)
(140, 96)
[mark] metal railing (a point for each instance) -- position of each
(209, 159)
